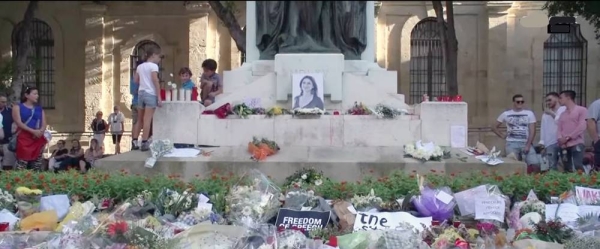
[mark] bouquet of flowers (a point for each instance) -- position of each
(242, 110)
(359, 109)
(404, 236)
(253, 201)
(28, 200)
(261, 149)
(383, 111)
(289, 239)
(304, 177)
(171, 204)
(276, 111)
(7, 201)
(158, 148)
(308, 112)
(437, 203)
(365, 202)
(424, 151)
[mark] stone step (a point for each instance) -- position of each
(338, 163)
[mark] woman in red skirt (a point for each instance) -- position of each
(31, 124)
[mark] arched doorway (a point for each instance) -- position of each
(427, 67)
(565, 64)
(40, 61)
(139, 54)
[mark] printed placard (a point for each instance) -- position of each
(252, 102)
(490, 208)
(307, 220)
(387, 220)
(587, 196)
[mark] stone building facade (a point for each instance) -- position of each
(90, 48)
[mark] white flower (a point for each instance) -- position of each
(171, 75)
(310, 193)
(318, 182)
(258, 210)
(247, 211)
(304, 177)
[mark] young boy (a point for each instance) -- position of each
(185, 75)
(148, 97)
(211, 82)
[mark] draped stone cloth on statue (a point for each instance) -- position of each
(311, 27)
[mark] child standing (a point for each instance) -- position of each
(148, 97)
(185, 75)
(211, 82)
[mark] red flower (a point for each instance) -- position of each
(117, 228)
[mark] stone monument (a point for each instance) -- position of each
(337, 40)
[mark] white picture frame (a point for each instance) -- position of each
(313, 97)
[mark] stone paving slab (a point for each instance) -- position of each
(338, 163)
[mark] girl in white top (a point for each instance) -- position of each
(148, 97)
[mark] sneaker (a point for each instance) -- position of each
(134, 146)
(145, 146)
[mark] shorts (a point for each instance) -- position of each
(146, 100)
(134, 113)
(517, 148)
(116, 138)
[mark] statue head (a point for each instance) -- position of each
(308, 83)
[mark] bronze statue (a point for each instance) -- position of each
(311, 27)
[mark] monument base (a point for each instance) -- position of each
(339, 164)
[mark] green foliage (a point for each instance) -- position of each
(589, 10)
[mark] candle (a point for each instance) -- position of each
(173, 94)
(167, 95)
(181, 94)
(188, 95)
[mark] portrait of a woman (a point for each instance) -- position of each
(309, 97)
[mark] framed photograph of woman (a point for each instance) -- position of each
(307, 90)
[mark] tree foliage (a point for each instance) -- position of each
(449, 44)
(589, 10)
(22, 50)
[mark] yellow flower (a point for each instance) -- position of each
(23, 190)
(36, 192)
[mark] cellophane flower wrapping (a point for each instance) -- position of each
(522, 208)
(437, 203)
(253, 201)
(262, 236)
(299, 199)
(404, 236)
(77, 233)
(159, 148)
(170, 203)
(290, 239)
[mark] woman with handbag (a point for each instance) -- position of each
(29, 141)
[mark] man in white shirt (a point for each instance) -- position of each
(146, 75)
(116, 124)
(520, 131)
(548, 131)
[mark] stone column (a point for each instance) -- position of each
(252, 53)
(198, 34)
(369, 53)
(94, 81)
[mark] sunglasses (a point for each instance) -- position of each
(520, 101)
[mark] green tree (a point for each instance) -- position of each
(449, 44)
(21, 51)
(590, 11)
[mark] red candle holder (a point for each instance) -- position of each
(445, 98)
(4, 226)
(457, 98)
(163, 94)
(435, 223)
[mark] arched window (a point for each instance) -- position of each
(40, 61)
(139, 54)
(427, 68)
(243, 54)
(565, 63)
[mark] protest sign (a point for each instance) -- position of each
(387, 221)
(306, 220)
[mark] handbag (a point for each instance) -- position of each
(12, 143)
